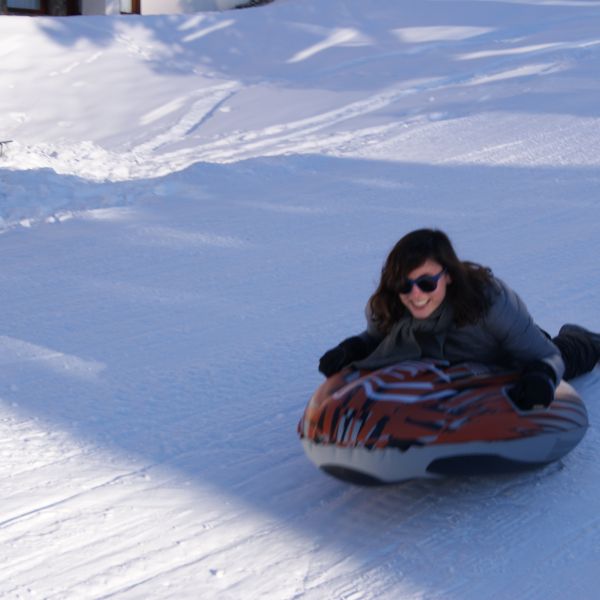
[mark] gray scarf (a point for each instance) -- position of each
(411, 339)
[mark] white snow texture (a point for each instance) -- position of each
(193, 208)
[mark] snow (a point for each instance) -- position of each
(195, 207)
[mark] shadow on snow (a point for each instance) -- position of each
(274, 44)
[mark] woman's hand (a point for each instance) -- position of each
(351, 349)
(535, 388)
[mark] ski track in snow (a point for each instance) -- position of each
(174, 265)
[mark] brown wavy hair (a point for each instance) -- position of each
(468, 294)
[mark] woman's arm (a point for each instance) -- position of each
(351, 349)
(510, 323)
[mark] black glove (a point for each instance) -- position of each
(535, 388)
(351, 349)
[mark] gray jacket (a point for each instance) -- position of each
(505, 336)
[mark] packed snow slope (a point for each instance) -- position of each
(194, 208)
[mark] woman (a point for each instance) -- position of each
(430, 304)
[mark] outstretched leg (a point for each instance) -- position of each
(580, 349)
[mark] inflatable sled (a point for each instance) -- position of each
(427, 419)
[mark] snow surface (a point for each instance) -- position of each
(195, 207)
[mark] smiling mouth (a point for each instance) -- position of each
(420, 303)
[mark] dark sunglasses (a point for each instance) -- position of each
(426, 283)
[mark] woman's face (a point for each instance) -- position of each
(422, 304)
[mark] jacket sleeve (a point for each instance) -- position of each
(371, 335)
(509, 321)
